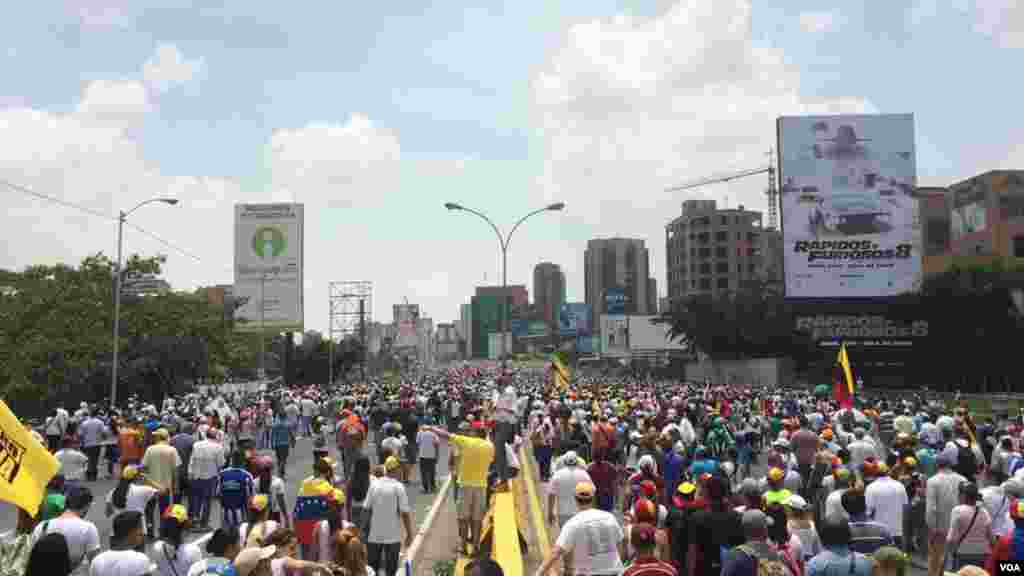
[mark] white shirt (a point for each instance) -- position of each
(308, 407)
(386, 498)
(834, 510)
(885, 500)
(207, 460)
(175, 562)
(121, 563)
(136, 499)
(428, 443)
(72, 463)
(998, 505)
(563, 486)
(82, 536)
(505, 406)
(593, 537)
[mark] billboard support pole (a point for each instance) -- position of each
(351, 308)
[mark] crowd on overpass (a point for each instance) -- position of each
(640, 476)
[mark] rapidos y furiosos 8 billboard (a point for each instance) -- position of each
(849, 216)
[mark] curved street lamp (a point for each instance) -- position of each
(503, 241)
(121, 217)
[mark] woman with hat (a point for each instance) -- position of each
(134, 491)
(259, 526)
(174, 556)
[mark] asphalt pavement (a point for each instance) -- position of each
(300, 466)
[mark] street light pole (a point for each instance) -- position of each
(263, 310)
(503, 242)
(121, 217)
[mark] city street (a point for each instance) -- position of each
(300, 466)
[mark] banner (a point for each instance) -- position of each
(268, 267)
(850, 222)
(26, 466)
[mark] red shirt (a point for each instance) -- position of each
(650, 567)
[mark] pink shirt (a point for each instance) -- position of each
(978, 540)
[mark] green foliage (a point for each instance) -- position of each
(752, 322)
(55, 335)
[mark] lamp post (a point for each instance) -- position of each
(503, 240)
(121, 217)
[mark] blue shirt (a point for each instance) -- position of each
(280, 433)
(673, 472)
(236, 487)
(836, 560)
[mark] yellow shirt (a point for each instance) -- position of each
(475, 456)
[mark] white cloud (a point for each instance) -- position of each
(1003, 20)
(168, 68)
(817, 22)
(100, 15)
(114, 103)
(355, 163)
(627, 107)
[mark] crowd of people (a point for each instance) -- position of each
(643, 477)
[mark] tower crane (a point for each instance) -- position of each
(772, 192)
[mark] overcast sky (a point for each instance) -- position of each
(373, 114)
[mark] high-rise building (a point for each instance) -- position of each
(713, 251)
(548, 291)
(621, 264)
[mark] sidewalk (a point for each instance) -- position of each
(440, 541)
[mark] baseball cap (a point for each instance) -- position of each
(585, 490)
(570, 458)
(259, 502)
(248, 559)
(130, 472)
(161, 434)
(796, 502)
(755, 520)
(645, 511)
(642, 535)
(392, 464)
(776, 474)
(177, 513)
(687, 488)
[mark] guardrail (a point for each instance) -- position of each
(501, 533)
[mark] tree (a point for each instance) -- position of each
(752, 322)
(55, 335)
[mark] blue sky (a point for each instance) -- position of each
(373, 114)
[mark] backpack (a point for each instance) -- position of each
(966, 461)
(765, 567)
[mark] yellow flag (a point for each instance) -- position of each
(844, 362)
(25, 465)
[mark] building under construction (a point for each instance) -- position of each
(715, 251)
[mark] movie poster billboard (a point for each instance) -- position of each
(850, 223)
(268, 267)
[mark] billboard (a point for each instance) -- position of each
(268, 267)
(574, 319)
(615, 300)
(407, 317)
(849, 216)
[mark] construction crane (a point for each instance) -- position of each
(772, 192)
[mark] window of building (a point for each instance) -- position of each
(722, 236)
(739, 252)
(705, 252)
(705, 283)
(739, 268)
(1018, 246)
(693, 252)
(721, 252)
(703, 237)
(705, 268)
(693, 284)
(737, 220)
(739, 235)
(753, 237)
(722, 267)
(753, 269)
(725, 220)
(723, 283)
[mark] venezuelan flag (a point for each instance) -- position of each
(844, 386)
(310, 508)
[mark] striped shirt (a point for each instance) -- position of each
(650, 567)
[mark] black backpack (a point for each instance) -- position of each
(966, 461)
